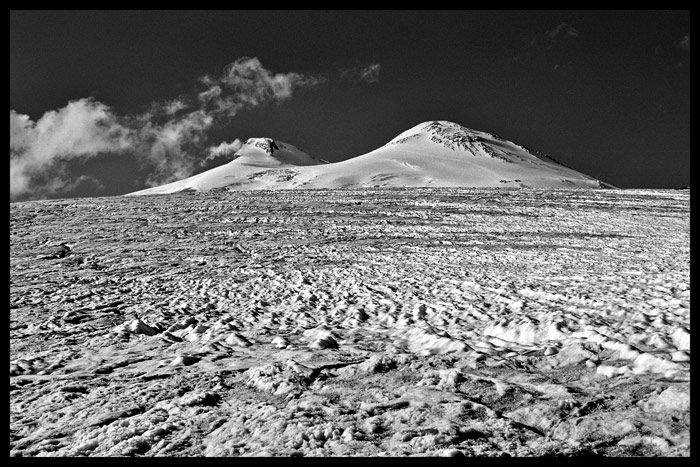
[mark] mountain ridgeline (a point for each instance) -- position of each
(431, 154)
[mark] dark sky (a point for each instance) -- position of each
(604, 92)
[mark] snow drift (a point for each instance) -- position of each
(431, 154)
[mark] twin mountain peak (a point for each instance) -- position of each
(431, 154)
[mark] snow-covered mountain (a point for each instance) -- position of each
(431, 154)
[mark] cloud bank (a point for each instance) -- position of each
(168, 141)
(81, 129)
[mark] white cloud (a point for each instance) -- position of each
(86, 128)
(369, 73)
(213, 92)
(246, 83)
(167, 108)
(224, 149)
(83, 128)
(167, 141)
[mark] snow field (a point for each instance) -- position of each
(353, 322)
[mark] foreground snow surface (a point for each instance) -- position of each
(399, 322)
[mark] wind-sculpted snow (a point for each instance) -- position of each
(479, 322)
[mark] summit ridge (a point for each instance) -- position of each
(434, 153)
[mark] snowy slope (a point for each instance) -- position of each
(434, 154)
(258, 163)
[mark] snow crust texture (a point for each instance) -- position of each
(400, 322)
